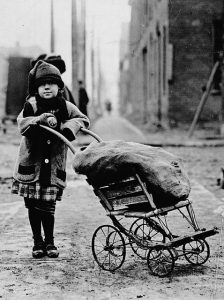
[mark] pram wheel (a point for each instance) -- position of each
(160, 261)
(108, 247)
(196, 252)
(146, 230)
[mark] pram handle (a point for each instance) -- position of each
(94, 135)
(66, 141)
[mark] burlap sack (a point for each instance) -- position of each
(162, 171)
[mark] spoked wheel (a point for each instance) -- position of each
(161, 261)
(196, 252)
(108, 247)
(146, 231)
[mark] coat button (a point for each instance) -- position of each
(46, 161)
(48, 142)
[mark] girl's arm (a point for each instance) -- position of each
(27, 120)
(76, 120)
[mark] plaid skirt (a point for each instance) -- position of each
(36, 192)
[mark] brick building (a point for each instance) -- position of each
(195, 32)
(144, 69)
(173, 46)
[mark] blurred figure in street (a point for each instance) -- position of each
(83, 98)
(40, 170)
(108, 106)
(59, 63)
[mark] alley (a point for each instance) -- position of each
(75, 275)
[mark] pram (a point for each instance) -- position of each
(149, 235)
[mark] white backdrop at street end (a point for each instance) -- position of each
(26, 23)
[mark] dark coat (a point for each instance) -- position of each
(42, 155)
(68, 95)
(83, 100)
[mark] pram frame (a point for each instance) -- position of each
(173, 242)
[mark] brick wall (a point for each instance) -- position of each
(191, 33)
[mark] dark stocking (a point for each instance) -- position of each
(48, 226)
(35, 223)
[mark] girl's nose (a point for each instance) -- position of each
(46, 85)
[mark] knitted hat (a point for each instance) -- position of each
(53, 59)
(41, 73)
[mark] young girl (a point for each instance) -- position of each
(39, 174)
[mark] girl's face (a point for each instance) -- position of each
(48, 90)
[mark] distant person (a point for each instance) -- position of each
(40, 170)
(108, 106)
(59, 63)
(83, 98)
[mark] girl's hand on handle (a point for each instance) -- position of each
(52, 122)
(43, 118)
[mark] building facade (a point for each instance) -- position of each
(124, 103)
(195, 31)
(173, 46)
(144, 68)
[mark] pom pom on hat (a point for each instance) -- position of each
(52, 59)
(41, 73)
(56, 61)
